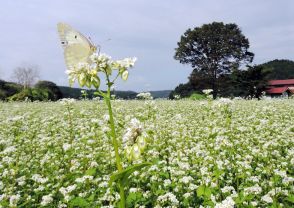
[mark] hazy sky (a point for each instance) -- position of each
(147, 29)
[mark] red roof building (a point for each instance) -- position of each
(280, 87)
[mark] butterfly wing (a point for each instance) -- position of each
(75, 54)
(77, 48)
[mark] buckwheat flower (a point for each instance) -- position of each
(166, 182)
(267, 199)
(39, 179)
(127, 62)
(105, 129)
(254, 179)
(65, 191)
(287, 180)
(186, 179)
(47, 199)
(8, 150)
(227, 203)
(133, 190)
(207, 91)
(145, 96)
(67, 101)
(60, 205)
(256, 189)
(93, 164)
(186, 195)
(254, 203)
(20, 181)
(103, 184)
(106, 118)
(13, 200)
(168, 197)
(3, 196)
(227, 189)
(66, 146)
(281, 173)
(84, 178)
(192, 187)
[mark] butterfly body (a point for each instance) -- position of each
(77, 48)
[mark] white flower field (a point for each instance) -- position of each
(203, 153)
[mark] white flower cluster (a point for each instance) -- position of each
(39, 179)
(227, 203)
(13, 200)
(267, 198)
(228, 189)
(66, 191)
(207, 91)
(134, 140)
(47, 199)
(144, 96)
(84, 178)
(256, 189)
(67, 101)
(177, 97)
(87, 73)
(168, 197)
(250, 158)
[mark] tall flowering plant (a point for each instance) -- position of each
(89, 74)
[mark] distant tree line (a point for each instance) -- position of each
(249, 83)
(42, 90)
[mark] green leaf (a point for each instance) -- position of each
(91, 198)
(133, 199)
(79, 202)
(200, 190)
(207, 192)
(290, 198)
(91, 172)
(123, 176)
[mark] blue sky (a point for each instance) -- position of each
(147, 29)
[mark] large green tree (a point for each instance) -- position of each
(250, 83)
(214, 49)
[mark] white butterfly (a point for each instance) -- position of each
(77, 48)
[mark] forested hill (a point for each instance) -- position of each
(69, 92)
(280, 69)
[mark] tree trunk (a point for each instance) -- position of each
(214, 84)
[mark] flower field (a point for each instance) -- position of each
(204, 153)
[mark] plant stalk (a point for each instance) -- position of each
(115, 143)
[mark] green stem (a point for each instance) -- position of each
(115, 142)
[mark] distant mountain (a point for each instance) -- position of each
(70, 92)
(280, 69)
(160, 93)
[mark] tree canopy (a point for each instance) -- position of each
(54, 92)
(214, 49)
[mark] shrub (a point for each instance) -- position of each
(30, 94)
(197, 96)
(8, 89)
(54, 93)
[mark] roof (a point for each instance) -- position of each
(277, 90)
(291, 89)
(281, 82)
